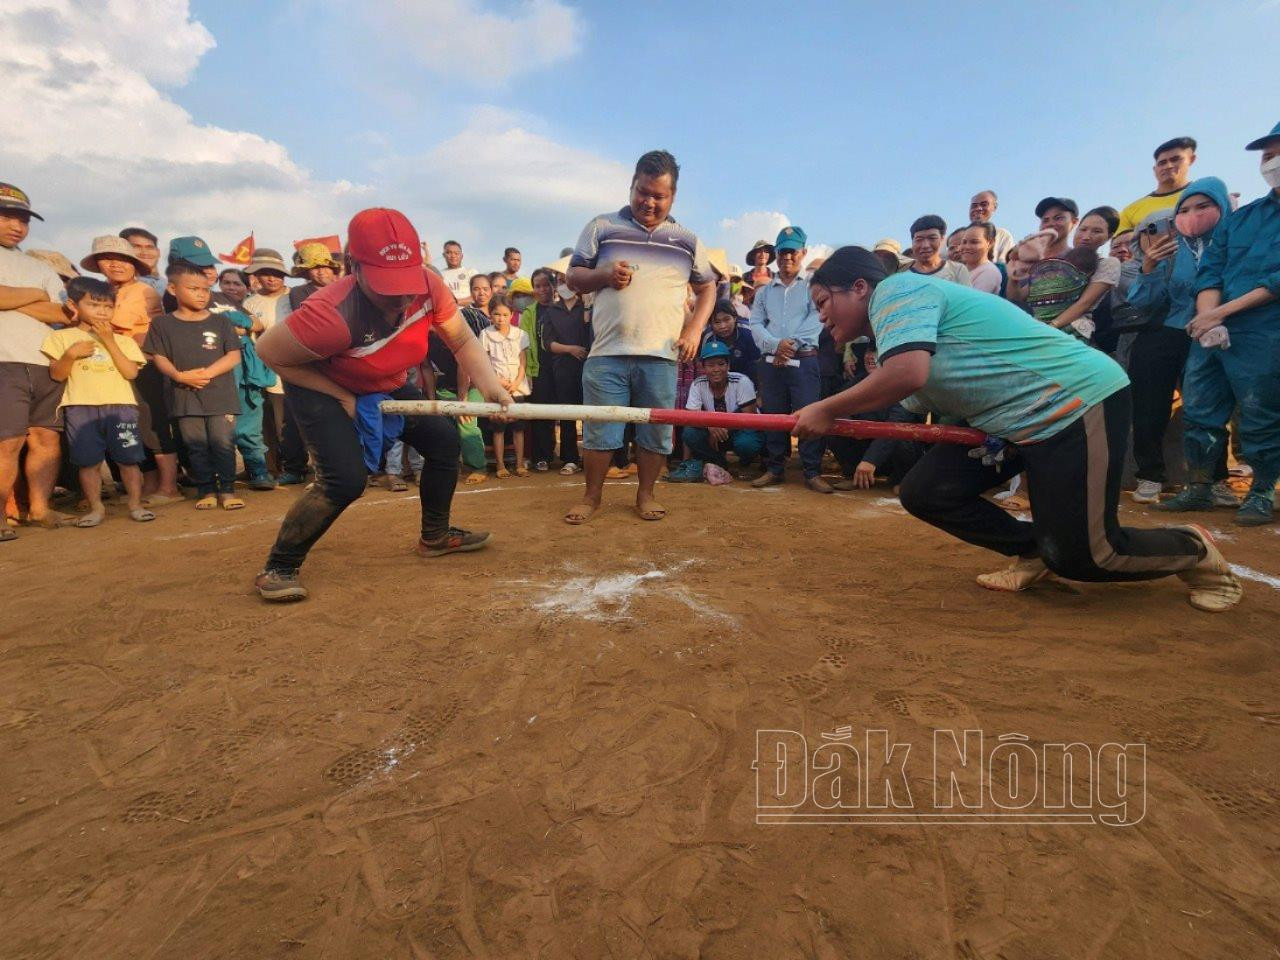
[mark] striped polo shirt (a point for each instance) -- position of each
(645, 318)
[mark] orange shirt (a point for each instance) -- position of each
(136, 304)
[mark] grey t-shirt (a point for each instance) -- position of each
(190, 345)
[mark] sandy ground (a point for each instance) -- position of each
(546, 749)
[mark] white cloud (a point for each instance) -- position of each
(739, 234)
(96, 141)
(461, 36)
(500, 173)
(97, 145)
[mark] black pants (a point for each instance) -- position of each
(543, 432)
(847, 451)
(341, 475)
(1155, 368)
(1074, 483)
(211, 447)
(566, 374)
(283, 436)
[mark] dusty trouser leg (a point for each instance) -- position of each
(341, 476)
(436, 439)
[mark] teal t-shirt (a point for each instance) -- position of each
(993, 366)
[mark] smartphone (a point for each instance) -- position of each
(1160, 228)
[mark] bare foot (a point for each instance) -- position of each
(649, 508)
(581, 512)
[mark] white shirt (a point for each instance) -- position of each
(1003, 244)
(269, 311)
(22, 336)
(738, 392)
(504, 355)
(950, 270)
(458, 280)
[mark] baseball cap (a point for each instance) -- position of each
(1066, 203)
(11, 198)
(1259, 144)
(714, 348)
(387, 248)
(192, 250)
(790, 238)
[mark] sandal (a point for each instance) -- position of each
(580, 513)
(141, 515)
(7, 533)
(53, 519)
(397, 484)
(502, 473)
(654, 511)
(207, 502)
(522, 471)
(230, 502)
(159, 500)
(617, 473)
(569, 469)
(475, 476)
(90, 520)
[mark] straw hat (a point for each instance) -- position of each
(266, 259)
(117, 246)
(560, 266)
(894, 247)
(309, 256)
(719, 261)
(61, 265)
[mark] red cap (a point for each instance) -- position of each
(386, 246)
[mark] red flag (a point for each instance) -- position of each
(333, 242)
(241, 255)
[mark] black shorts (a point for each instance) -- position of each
(29, 397)
(95, 433)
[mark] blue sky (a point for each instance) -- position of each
(512, 122)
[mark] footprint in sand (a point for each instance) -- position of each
(814, 683)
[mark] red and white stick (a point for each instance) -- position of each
(859, 429)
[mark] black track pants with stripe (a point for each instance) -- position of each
(1073, 481)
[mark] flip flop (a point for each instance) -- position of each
(90, 520)
(652, 512)
(230, 503)
(209, 502)
(503, 474)
(7, 533)
(53, 520)
(521, 472)
(580, 513)
(475, 477)
(141, 515)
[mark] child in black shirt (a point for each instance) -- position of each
(198, 352)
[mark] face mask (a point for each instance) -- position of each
(521, 302)
(1271, 172)
(565, 292)
(1196, 223)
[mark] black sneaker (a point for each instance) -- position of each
(454, 541)
(279, 586)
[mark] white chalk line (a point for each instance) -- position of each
(1250, 574)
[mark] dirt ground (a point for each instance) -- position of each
(546, 749)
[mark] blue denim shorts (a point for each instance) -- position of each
(95, 433)
(628, 382)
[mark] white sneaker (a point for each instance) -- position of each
(1148, 492)
(1223, 496)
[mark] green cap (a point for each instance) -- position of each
(192, 250)
(791, 238)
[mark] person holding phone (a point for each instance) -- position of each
(1169, 252)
